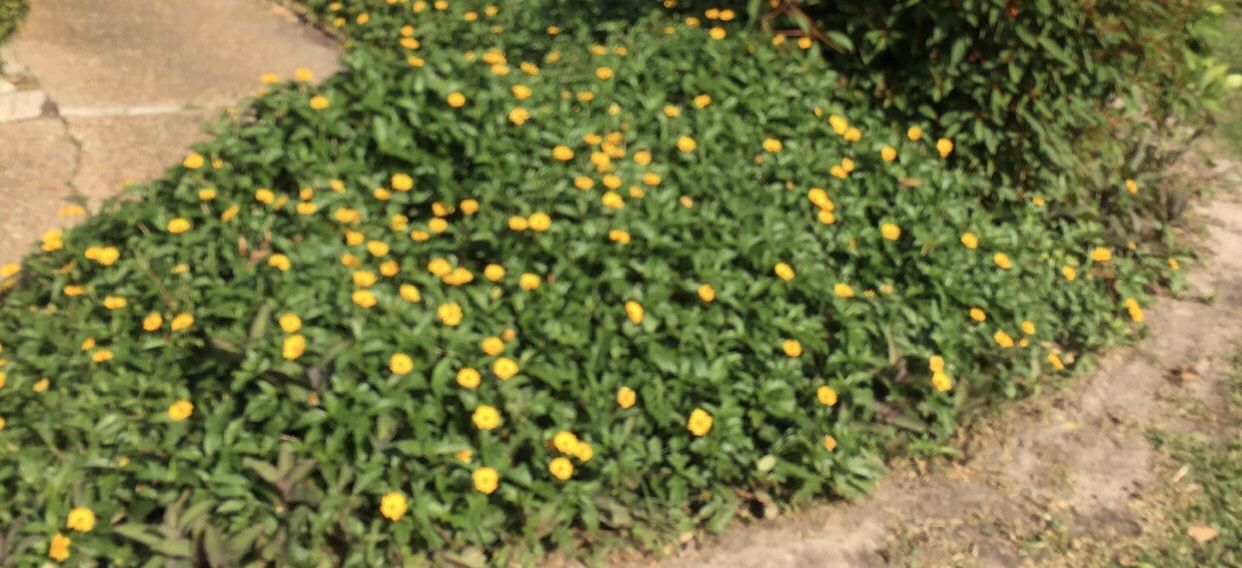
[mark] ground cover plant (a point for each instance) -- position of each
(11, 12)
(512, 281)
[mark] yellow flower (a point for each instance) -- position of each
(619, 236)
(363, 298)
(717, 33)
(565, 442)
(1003, 339)
(529, 281)
(101, 356)
(562, 153)
(468, 378)
(827, 395)
(290, 323)
(519, 116)
(107, 256)
(819, 197)
(772, 145)
(294, 346)
(230, 213)
(400, 364)
(279, 262)
(944, 146)
(642, 157)
(81, 519)
(914, 133)
(603, 73)
(839, 124)
(193, 161)
(784, 271)
(805, 43)
(852, 135)
(978, 314)
(450, 314)
(830, 443)
(584, 452)
(1028, 327)
(73, 291)
(888, 153)
(3, 423)
(182, 321)
(890, 231)
(612, 181)
(970, 241)
(486, 480)
(838, 172)
(539, 222)
(1101, 254)
(626, 397)
(936, 364)
(843, 290)
(1069, 272)
(672, 111)
(377, 248)
(390, 268)
(494, 272)
(707, 293)
(58, 550)
(1131, 186)
(393, 506)
(10, 269)
(1136, 312)
(612, 200)
(114, 302)
(1173, 264)
(521, 92)
(492, 346)
(53, 240)
(686, 144)
(88, 344)
(504, 367)
(941, 382)
(439, 267)
(319, 102)
(180, 410)
(847, 165)
(41, 386)
(1002, 260)
(634, 311)
(686, 201)
(651, 179)
(561, 468)
(437, 225)
(792, 348)
(303, 74)
(702, 101)
(153, 321)
(456, 100)
(410, 293)
(700, 422)
(1055, 361)
(486, 417)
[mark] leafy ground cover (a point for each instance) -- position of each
(510, 281)
(11, 12)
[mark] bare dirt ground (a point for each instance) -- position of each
(1072, 467)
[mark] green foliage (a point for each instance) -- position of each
(287, 455)
(11, 13)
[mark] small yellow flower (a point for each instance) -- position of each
(584, 452)
(180, 410)
(81, 519)
(303, 74)
(820, 198)
(1173, 265)
(792, 348)
(561, 468)
(843, 290)
(978, 314)
(1056, 362)
(936, 364)
(839, 124)
(319, 102)
(634, 311)
(193, 161)
(619, 236)
(1028, 327)
(492, 345)
(101, 356)
(153, 321)
(805, 42)
(1002, 260)
(612, 200)
(706, 292)
(941, 382)
(1069, 272)
(505, 368)
(486, 417)
(838, 172)
(888, 153)
(686, 144)
(717, 33)
(686, 201)
(603, 73)
(945, 147)
(890, 231)
(830, 443)
(1101, 254)
(565, 442)
(494, 272)
(279, 262)
(826, 395)
(539, 222)
(230, 213)
(914, 133)
(562, 153)
(390, 268)
(364, 298)
(486, 480)
(626, 397)
(290, 323)
(519, 116)
(88, 344)
(182, 321)
(41, 386)
(852, 135)
(468, 378)
(456, 100)
(772, 145)
(1136, 311)
(393, 506)
(294, 346)
(58, 549)
(377, 248)
(450, 314)
(1003, 339)
(529, 281)
(410, 293)
(400, 364)
(114, 302)
(1131, 186)
(970, 241)
(702, 101)
(784, 271)
(699, 423)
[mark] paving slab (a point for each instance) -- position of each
(120, 150)
(37, 158)
(87, 53)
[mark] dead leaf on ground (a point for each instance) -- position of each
(1184, 375)
(1201, 533)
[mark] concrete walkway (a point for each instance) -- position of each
(95, 95)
